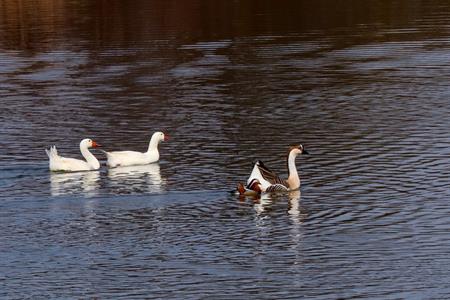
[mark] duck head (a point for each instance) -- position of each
(255, 185)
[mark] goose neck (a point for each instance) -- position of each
(90, 158)
(293, 177)
(153, 145)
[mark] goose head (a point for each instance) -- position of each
(297, 149)
(88, 143)
(160, 136)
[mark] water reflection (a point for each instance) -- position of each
(86, 183)
(295, 211)
(262, 203)
(136, 179)
(361, 84)
(296, 231)
(39, 24)
(268, 205)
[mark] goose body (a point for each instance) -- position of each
(134, 158)
(268, 180)
(65, 164)
(262, 179)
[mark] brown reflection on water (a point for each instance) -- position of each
(33, 25)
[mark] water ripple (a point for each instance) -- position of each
(365, 93)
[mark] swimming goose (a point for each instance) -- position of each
(264, 180)
(59, 163)
(133, 158)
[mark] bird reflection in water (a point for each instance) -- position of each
(297, 213)
(135, 179)
(263, 202)
(86, 183)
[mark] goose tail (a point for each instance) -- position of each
(52, 152)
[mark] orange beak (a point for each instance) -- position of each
(166, 137)
(95, 145)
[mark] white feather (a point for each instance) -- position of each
(256, 174)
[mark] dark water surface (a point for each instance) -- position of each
(364, 85)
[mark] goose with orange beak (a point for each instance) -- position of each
(134, 158)
(65, 164)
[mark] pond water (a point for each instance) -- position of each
(364, 86)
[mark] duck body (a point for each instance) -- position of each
(134, 158)
(65, 164)
(263, 180)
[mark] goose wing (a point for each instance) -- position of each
(276, 188)
(269, 175)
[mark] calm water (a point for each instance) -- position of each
(363, 85)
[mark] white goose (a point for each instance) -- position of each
(59, 163)
(263, 180)
(133, 158)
